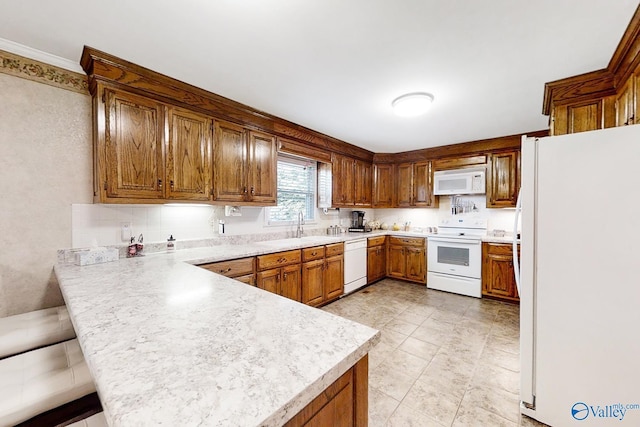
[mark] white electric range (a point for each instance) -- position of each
(454, 256)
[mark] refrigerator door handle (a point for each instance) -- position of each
(516, 260)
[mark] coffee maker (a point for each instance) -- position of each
(357, 222)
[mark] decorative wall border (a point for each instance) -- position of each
(30, 69)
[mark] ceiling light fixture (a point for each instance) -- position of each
(412, 104)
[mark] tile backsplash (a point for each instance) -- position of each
(101, 224)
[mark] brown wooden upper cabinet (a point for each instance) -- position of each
(383, 185)
(503, 179)
(189, 173)
(414, 185)
(583, 116)
(351, 182)
(132, 163)
(628, 101)
(246, 163)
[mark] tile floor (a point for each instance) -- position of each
(443, 359)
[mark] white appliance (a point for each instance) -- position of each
(454, 256)
(459, 181)
(355, 265)
(579, 281)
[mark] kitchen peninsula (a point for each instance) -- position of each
(170, 343)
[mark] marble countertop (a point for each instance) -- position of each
(173, 344)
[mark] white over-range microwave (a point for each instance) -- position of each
(459, 181)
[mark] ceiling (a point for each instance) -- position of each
(335, 66)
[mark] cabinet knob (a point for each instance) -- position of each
(160, 184)
(244, 190)
(284, 276)
(171, 184)
(252, 190)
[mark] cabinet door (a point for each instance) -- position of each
(342, 169)
(383, 186)
(422, 185)
(501, 276)
(584, 116)
(189, 156)
(290, 282)
(269, 280)
(249, 279)
(404, 184)
(396, 262)
(503, 182)
(376, 263)
(362, 181)
(625, 105)
(334, 277)
(133, 158)
(263, 157)
(313, 282)
(416, 264)
(230, 152)
(498, 279)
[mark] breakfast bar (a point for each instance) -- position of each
(169, 343)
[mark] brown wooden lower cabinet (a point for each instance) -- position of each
(343, 404)
(376, 258)
(313, 282)
(334, 277)
(498, 278)
(280, 273)
(322, 274)
(407, 259)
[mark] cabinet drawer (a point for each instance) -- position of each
(309, 254)
(376, 241)
(232, 268)
(406, 241)
(278, 259)
(499, 248)
(335, 249)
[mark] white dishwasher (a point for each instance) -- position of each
(355, 265)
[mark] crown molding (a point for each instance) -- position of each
(38, 55)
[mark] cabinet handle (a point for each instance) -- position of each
(314, 253)
(244, 190)
(225, 271)
(252, 191)
(159, 184)
(284, 276)
(278, 278)
(171, 184)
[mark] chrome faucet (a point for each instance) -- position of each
(300, 230)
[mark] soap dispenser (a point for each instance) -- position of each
(171, 243)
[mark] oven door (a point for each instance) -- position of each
(457, 256)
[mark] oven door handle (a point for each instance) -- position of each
(448, 240)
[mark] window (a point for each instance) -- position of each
(296, 191)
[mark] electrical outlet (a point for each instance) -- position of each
(125, 231)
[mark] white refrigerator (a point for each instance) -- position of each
(580, 278)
